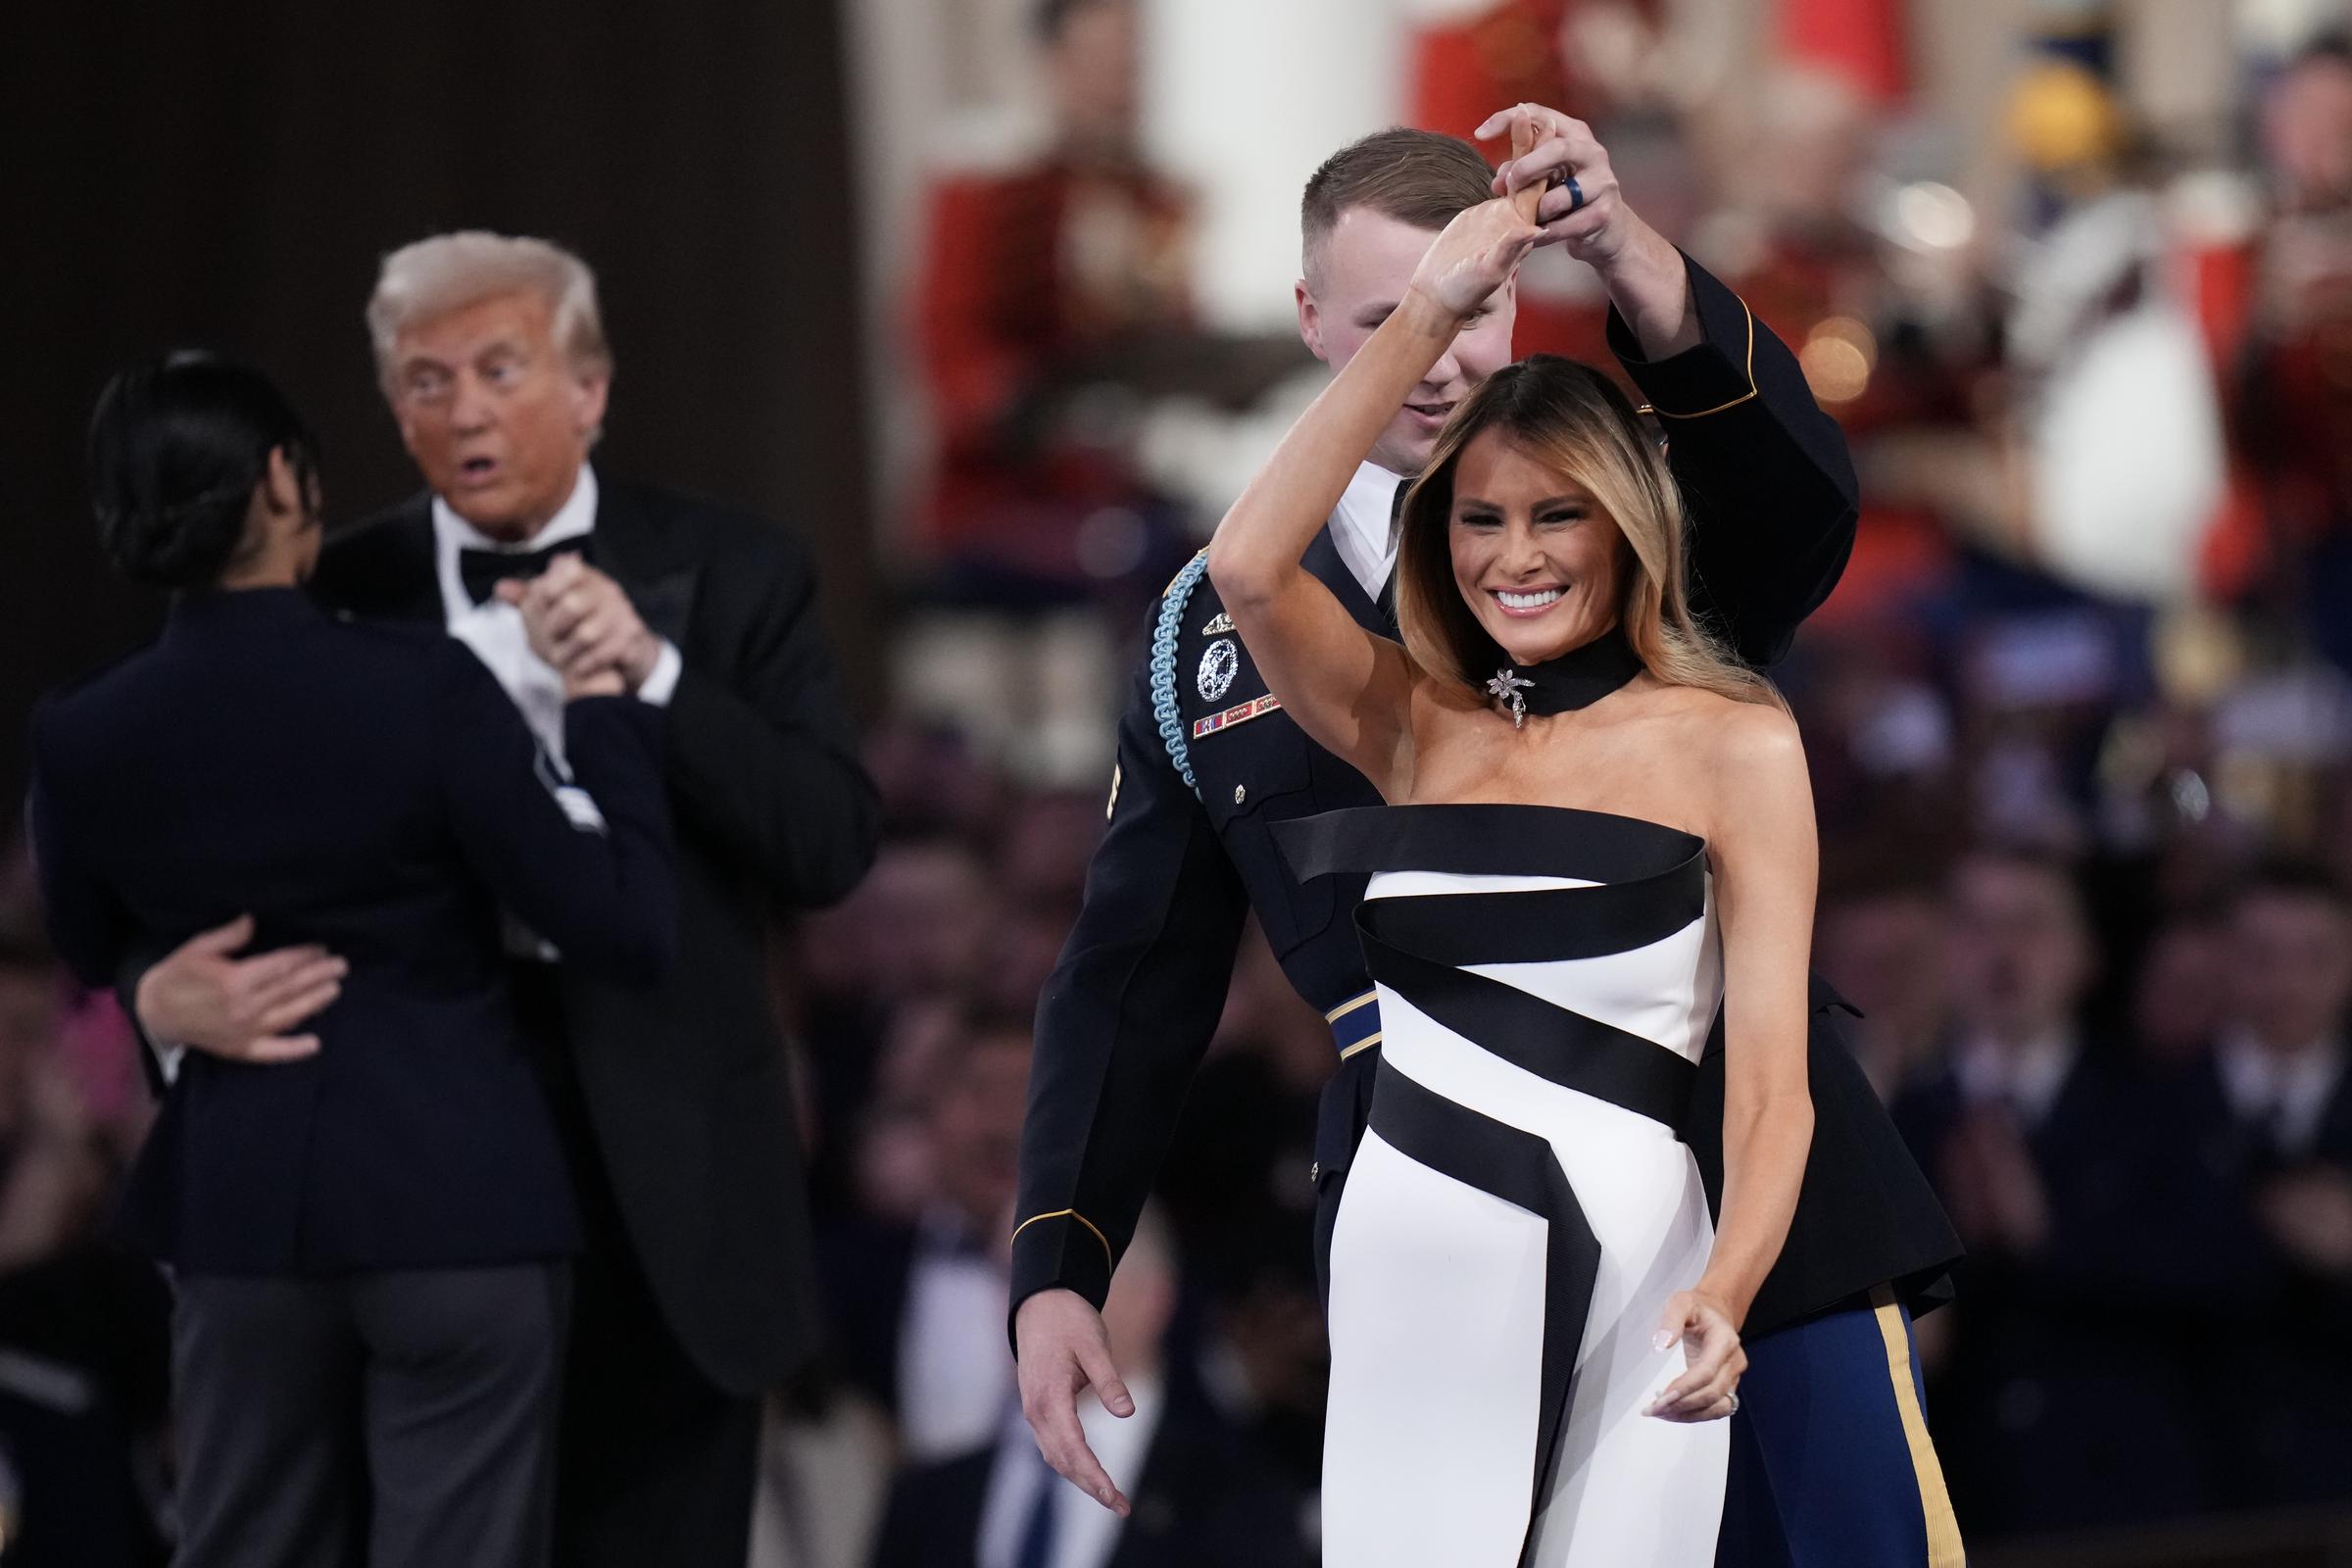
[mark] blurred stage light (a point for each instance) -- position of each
(1926, 216)
(1837, 358)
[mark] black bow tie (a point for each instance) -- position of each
(1578, 678)
(482, 570)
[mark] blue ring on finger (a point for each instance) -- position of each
(1576, 196)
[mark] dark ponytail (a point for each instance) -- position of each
(176, 448)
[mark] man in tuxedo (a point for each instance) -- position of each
(915, 1307)
(1203, 1493)
(2066, 1400)
(695, 1292)
(1208, 764)
(2270, 1112)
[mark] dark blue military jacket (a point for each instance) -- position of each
(1131, 1006)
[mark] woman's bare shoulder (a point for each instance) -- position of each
(1434, 694)
(1731, 732)
(1767, 728)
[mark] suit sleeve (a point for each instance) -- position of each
(1766, 473)
(609, 898)
(1124, 1021)
(764, 759)
(94, 935)
(87, 924)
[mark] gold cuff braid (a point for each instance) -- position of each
(1750, 370)
(1071, 1213)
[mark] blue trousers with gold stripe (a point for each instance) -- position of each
(1830, 1462)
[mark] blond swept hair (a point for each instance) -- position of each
(1573, 420)
(431, 278)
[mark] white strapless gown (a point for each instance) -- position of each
(1522, 1207)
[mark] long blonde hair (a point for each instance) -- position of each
(1573, 420)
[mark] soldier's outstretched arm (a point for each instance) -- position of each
(1765, 474)
(1121, 1027)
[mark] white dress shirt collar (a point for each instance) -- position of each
(1362, 526)
(2028, 1077)
(2290, 1091)
(493, 630)
(955, 1372)
(575, 517)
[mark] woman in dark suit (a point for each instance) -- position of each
(369, 1243)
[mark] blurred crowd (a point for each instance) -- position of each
(2080, 722)
(2078, 717)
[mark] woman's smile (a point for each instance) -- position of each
(1526, 602)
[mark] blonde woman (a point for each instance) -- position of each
(1598, 837)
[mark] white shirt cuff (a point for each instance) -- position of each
(658, 687)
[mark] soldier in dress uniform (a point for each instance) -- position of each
(1208, 763)
(1036, 282)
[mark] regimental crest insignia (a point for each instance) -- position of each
(1218, 625)
(1218, 665)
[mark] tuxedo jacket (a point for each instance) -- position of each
(2203, 1212)
(2139, 1205)
(2282, 1414)
(2179, 1361)
(373, 789)
(1135, 996)
(868, 1272)
(1205, 1496)
(684, 1083)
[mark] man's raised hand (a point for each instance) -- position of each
(1591, 217)
(1584, 209)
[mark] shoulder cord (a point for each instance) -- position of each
(1164, 667)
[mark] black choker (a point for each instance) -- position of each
(1578, 678)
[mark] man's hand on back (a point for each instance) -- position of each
(204, 996)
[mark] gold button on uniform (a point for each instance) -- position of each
(1241, 793)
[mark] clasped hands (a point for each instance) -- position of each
(1558, 188)
(581, 622)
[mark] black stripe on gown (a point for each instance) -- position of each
(1650, 882)
(1520, 1168)
(1487, 840)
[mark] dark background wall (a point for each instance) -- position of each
(228, 172)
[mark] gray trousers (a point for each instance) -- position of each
(403, 1419)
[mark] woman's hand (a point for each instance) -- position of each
(1706, 1389)
(1473, 257)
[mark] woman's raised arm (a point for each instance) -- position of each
(1346, 687)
